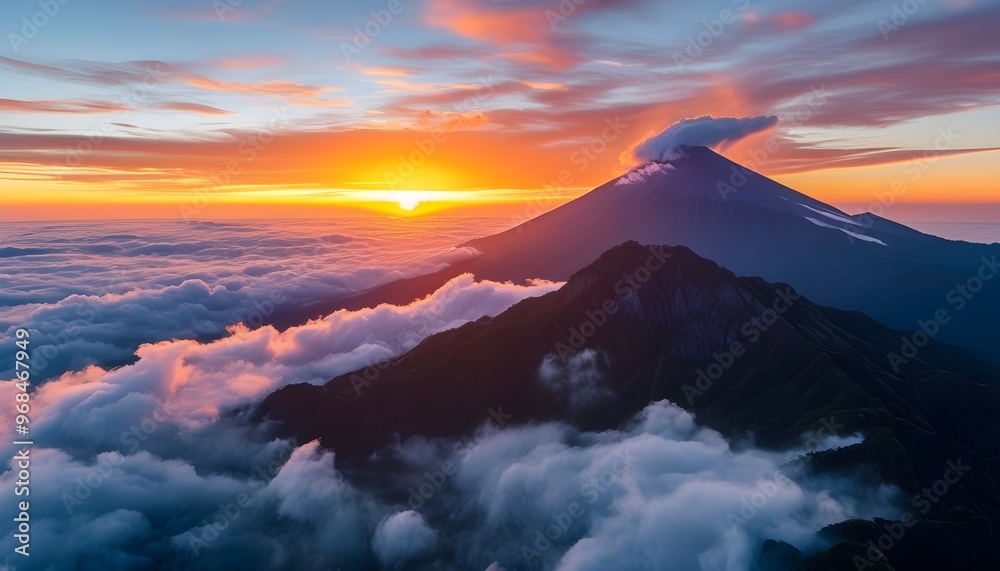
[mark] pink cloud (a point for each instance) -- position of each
(247, 63)
(796, 19)
(387, 71)
(272, 88)
(193, 108)
(524, 31)
(190, 384)
(60, 106)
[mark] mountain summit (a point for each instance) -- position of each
(701, 200)
(755, 226)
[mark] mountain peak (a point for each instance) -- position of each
(694, 157)
(700, 199)
(701, 172)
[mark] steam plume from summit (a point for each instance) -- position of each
(706, 131)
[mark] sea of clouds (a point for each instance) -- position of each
(154, 459)
(94, 291)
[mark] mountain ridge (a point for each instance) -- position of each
(669, 330)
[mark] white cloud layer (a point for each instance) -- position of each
(92, 292)
(143, 465)
(543, 496)
(184, 385)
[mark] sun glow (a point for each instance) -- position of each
(410, 200)
(409, 203)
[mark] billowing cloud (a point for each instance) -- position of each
(123, 443)
(540, 496)
(139, 511)
(184, 385)
(703, 131)
(124, 284)
(401, 537)
(660, 488)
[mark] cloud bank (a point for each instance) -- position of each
(155, 464)
(705, 131)
(539, 496)
(660, 489)
(187, 384)
(123, 284)
(142, 466)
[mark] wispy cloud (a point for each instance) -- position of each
(192, 108)
(60, 106)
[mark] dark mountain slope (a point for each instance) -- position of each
(796, 367)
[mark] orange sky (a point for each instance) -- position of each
(481, 107)
(466, 173)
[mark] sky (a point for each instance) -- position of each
(271, 108)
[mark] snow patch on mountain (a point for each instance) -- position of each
(831, 215)
(846, 231)
(641, 174)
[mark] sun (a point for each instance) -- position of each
(412, 202)
(409, 203)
